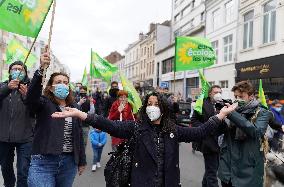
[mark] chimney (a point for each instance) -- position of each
(141, 36)
(152, 27)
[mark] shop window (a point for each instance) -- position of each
(167, 65)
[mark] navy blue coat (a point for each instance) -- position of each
(49, 132)
(144, 168)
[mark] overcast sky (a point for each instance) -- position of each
(104, 25)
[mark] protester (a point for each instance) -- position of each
(276, 139)
(173, 106)
(111, 99)
(156, 154)
(98, 140)
(58, 148)
(16, 126)
(85, 105)
(77, 91)
(243, 147)
(98, 97)
(121, 110)
(209, 146)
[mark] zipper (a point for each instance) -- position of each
(11, 116)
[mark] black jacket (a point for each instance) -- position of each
(210, 143)
(16, 122)
(49, 132)
(144, 166)
(107, 105)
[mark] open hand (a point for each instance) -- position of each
(81, 170)
(70, 112)
(45, 58)
(121, 107)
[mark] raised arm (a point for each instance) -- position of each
(33, 98)
(119, 129)
(186, 134)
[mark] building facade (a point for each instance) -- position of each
(221, 30)
(261, 44)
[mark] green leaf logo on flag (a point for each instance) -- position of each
(203, 95)
(193, 53)
(24, 17)
(133, 96)
(17, 52)
(261, 95)
(102, 68)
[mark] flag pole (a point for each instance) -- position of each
(175, 65)
(92, 86)
(49, 41)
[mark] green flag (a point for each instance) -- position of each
(203, 95)
(133, 96)
(16, 51)
(72, 86)
(5, 75)
(102, 68)
(193, 53)
(24, 17)
(261, 95)
(85, 78)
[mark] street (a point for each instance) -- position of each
(191, 167)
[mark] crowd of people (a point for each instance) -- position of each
(49, 128)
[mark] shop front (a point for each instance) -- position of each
(270, 70)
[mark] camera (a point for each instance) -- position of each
(220, 104)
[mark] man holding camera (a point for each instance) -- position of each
(16, 126)
(209, 146)
(242, 151)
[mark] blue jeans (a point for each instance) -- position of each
(23, 151)
(97, 154)
(52, 171)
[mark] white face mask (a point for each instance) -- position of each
(153, 112)
(217, 97)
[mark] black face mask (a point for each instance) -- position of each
(83, 95)
(113, 92)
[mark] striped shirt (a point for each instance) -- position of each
(68, 136)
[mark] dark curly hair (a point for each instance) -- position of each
(69, 100)
(166, 121)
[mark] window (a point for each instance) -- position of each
(153, 67)
(177, 17)
(153, 49)
(228, 48)
(202, 17)
(211, 83)
(224, 84)
(248, 30)
(167, 65)
(186, 10)
(216, 19)
(215, 46)
(269, 21)
(229, 11)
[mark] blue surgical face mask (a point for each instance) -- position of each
(278, 109)
(16, 74)
(61, 91)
